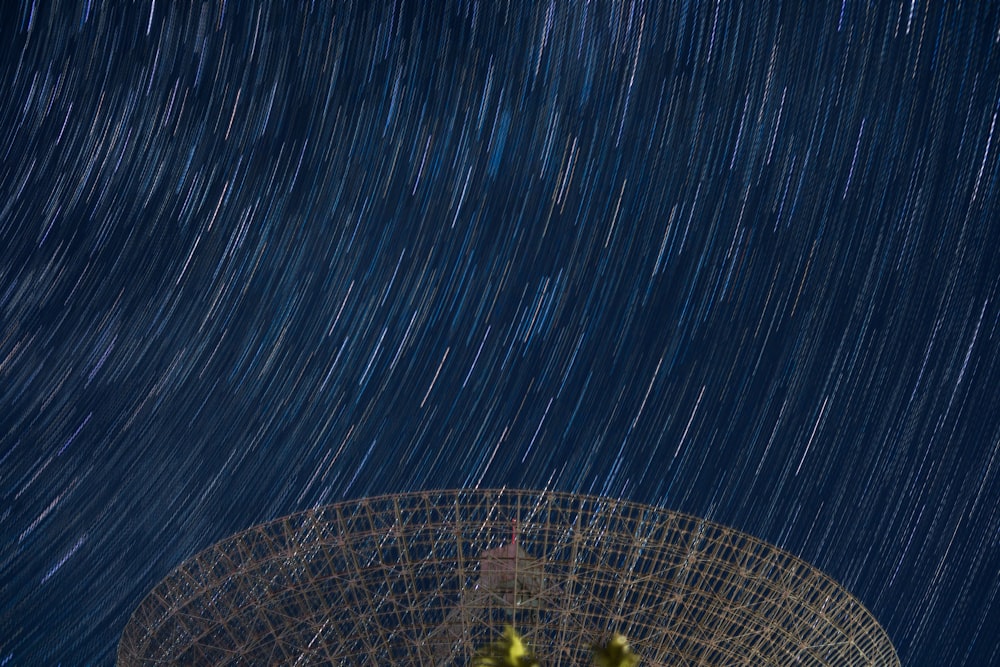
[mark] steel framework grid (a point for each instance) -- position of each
(424, 578)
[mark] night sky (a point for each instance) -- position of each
(740, 260)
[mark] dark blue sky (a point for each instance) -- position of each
(735, 261)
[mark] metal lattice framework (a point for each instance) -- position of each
(425, 578)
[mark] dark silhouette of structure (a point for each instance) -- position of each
(426, 578)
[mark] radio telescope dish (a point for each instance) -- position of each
(427, 578)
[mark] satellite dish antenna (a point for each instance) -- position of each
(427, 578)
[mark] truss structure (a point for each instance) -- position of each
(426, 578)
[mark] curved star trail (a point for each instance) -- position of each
(740, 262)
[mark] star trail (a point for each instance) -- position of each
(737, 260)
